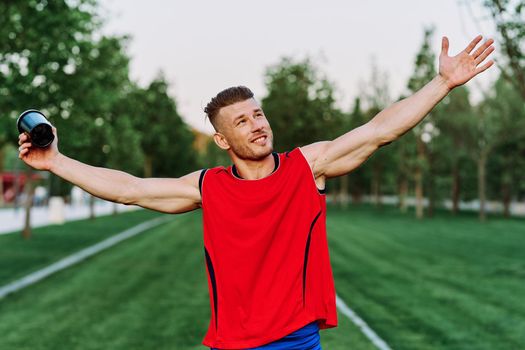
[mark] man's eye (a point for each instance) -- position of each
(242, 121)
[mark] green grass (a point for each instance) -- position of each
(48, 244)
(440, 283)
(149, 292)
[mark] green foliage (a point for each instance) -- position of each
(300, 105)
(509, 18)
(455, 122)
(359, 179)
(502, 132)
(40, 48)
(86, 119)
(424, 65)
(54, 58)
(376, 98)
(124, 149)
(214, 156)
(166, 139)
(407, 157)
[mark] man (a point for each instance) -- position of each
(265, 247)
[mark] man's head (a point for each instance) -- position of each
(240, 125)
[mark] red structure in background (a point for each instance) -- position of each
(9, 181)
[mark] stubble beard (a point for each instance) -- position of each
(255, 152)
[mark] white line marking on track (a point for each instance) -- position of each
(79, 256)
(359, 322)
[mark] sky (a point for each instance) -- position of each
(203, 47)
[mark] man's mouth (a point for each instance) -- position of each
(260, 140)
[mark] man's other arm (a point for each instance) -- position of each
(168, 195)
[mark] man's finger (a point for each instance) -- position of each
(473, 44)
(482, 48)
(484, 55)
(444, 46)
(484, 67)
(24, 146)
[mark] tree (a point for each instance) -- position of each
(214, 156)
(88, 118)
(300, 104)
(501, 126)
(376, 98)
(509, 18)
(40, 48)
(424, 71)
(456, 124)
(166, 140)
(357, 180)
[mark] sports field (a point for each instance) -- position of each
(442, 283)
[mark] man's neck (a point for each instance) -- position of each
(255, 169)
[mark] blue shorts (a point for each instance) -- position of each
(306, 338)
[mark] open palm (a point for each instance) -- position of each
(459, 69)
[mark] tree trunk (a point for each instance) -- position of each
(343, 191)
(379, 201)
(92, 207)
(375, 186)
(357, 195)
(431, 198)
(431, 187)
(482, 162)
(455, 189)
(505, 192)
(403, 190)
(418, 177)
(29, 190)
(148, 165)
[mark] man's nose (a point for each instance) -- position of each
(257, 124)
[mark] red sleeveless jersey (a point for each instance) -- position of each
(266, 254)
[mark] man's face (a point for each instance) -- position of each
(246, 130)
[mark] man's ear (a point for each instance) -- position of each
(221, 141)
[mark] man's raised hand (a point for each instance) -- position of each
(459, 69)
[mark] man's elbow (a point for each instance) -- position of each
(381, 136)
(129, 195)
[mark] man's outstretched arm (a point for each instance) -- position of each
(168, 195)
(340, 156)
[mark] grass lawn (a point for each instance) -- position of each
(50, 243)
(149, 292)
(441, 283)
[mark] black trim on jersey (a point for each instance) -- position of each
(306, 250)
(275, 159)
(201, 177)
(323, 191)
(213, 284)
